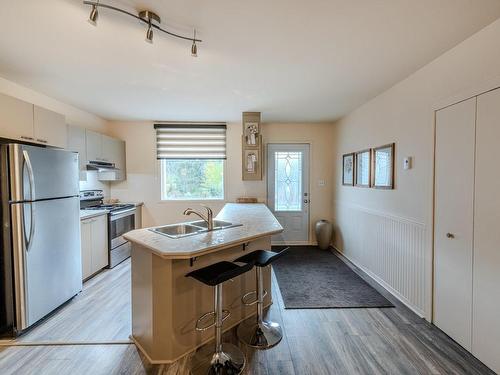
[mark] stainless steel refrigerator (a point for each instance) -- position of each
(40, 259)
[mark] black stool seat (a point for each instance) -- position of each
(261, 258)
(219, 272)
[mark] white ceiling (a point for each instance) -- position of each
(293, 60)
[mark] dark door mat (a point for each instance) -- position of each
(310, 278)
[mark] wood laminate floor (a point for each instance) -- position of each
(100, 313)
(316, 342)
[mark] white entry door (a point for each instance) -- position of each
(288, 190)
(454, 213)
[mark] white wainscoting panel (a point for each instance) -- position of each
(390, 249)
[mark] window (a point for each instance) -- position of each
(192, 179)
(191, 161)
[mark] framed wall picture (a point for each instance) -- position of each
(348, 169)
(383, 167)
(363, 168)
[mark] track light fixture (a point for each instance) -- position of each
(151, 19)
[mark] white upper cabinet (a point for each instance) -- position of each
(113, 151)
(16, 119)
(50, 127)
(103, 148)
(94, 146)
(23, 121)
(77, 142)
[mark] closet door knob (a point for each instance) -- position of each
(450, 235)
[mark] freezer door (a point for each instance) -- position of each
(42, 173)
(46, 243)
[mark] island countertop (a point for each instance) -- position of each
(256, 219)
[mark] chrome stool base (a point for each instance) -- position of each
(230, 361)
(263, 335)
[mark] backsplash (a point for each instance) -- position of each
(93, 183)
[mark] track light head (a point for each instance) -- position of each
(94, 15)
(194, 50)
(149, 17)
(149, 34)
(194, 47)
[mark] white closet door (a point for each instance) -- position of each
(453, 236)
(486, 312)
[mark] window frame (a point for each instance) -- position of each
(205, 200)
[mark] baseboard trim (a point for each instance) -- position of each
(10, 343)
(351, 263)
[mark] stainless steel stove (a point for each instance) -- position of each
(121, 219)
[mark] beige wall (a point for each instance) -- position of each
(74, 116)
(389, 233)
(143, 182)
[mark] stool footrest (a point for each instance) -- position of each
(225, 314)
(246, 295)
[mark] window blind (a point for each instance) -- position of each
(191, 141)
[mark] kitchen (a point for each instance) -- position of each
(184, 192)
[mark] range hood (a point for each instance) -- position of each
(94, 165)
(106, 171)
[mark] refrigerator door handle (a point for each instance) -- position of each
(29, 240)
(31, 176)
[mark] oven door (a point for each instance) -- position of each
(121, 223)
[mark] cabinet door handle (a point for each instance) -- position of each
(450, 235)
(27, 138)
(42, 140)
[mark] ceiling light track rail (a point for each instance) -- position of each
(146, 17)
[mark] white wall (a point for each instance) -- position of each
(143, 182)
(389, 233)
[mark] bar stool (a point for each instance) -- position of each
(227, 358)
(259, 333)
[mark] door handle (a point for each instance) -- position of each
(450, 235)
(306, 201)
(29, 240)
(31, 176)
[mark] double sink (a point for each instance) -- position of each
(192, 228)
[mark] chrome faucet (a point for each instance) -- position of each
(209, 219)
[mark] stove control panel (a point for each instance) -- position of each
(86, 195)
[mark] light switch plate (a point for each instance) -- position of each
(407, 163)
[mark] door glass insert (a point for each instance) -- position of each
(288, 181)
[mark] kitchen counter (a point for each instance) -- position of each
(87, 214)
(256, 219)
(166, 303)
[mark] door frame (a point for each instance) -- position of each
(308, 172)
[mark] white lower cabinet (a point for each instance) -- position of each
(94, 235)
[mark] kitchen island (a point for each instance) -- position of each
(166, 304)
